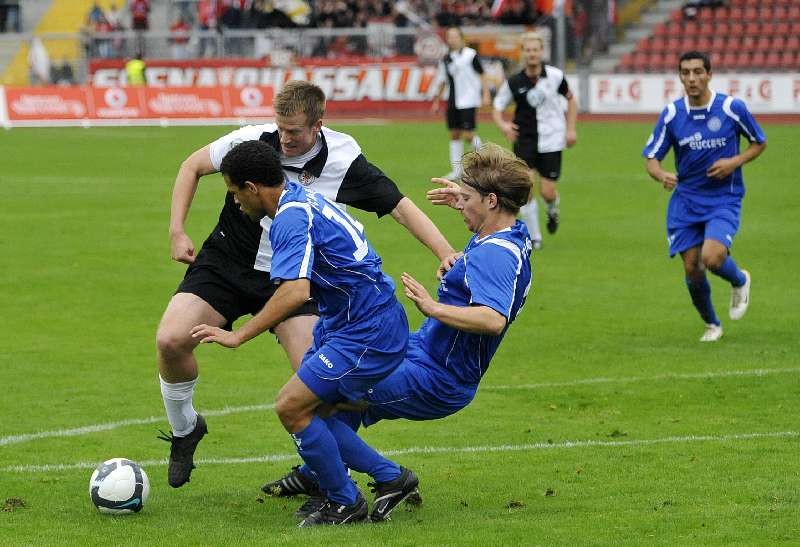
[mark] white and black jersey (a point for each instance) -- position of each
(539, 110)
(335, 168)
(462, 70)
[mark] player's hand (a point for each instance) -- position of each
(511, 131)
(417, 293)
(435, 106)
(447, 263)
(208, 334)
(446, 195)
(722, 168)
(182, 248)
(668, 180)
(572, 138)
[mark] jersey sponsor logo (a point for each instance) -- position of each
(699, 117)
(535, 97)
(305, 178)
(714, 124)
(697, 142)
(326, 361)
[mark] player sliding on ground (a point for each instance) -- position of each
(478, 299)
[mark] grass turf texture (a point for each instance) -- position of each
(86, 275)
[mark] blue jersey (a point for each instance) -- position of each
(699, 137)
(312, 238)
(495, 271)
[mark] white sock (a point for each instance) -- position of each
(530, 214)
(178, 403)
(456, 151)
(553, 205)
(476, 142)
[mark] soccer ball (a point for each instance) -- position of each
(119, 486)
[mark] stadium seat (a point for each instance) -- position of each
(752, 28)
(793, 43)
(780, 13)
(736, 29)
(674, 46)
(779, 43)
(706, 15)
(742, 60)
(719, 43)
(793, 14)
(773, 61)
(758, 61)
(703, 44)
(782, 27)
(751, 13)
(644, 45)
(736, 14)
(763, 43)
(657, 45)
(660, 30)
(729, 59)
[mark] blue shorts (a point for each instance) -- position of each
(343, 365)
(690, 223)
(417, 390)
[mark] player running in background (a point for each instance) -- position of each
(478, 299)
(361, 336)
(540, 129)
(230, 276)
(703, 129)
(461, 72)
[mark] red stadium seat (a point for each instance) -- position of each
(780, 13)
(758, 61)
(643, 44)
(728, 60)
(793, 14)
(660, 30)
(795, 28)
(719, 43)
(773, 60)
(702, 44)
(691, 28)
(751, 13)
(736, 29)
(782, 27)
(765, 12)
(676, 16)
(658, 45)
(656, 63)
(674, 46)
(752, 28)
(748, 44)
(736, 14)
(763, 44)
(793, 43)
(779, 43)
(742, 60)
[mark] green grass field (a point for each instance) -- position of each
(602, 419)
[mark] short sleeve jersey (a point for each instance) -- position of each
(338, 171)
(462, 71)
(539, 111)
(699, 137)
(495, 271)
(312, 238)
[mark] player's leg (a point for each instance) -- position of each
(548, 165)
(700, 292)
(469, 125)
(526, 150)
(456, 150)
(719, 234)
(178, 376)
(295, 337)
(318, 448)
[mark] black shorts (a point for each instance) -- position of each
(547, 164)
(236, 292)
(463, 118)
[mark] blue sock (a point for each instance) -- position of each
(700, 292)
(731, 273)
(353, 421)
(318, 448)
(360, 456)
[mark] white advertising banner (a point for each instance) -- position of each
(630, 93)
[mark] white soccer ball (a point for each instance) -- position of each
(119, 486)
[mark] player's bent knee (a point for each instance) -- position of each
(290, 411)
(173, 344)
(713, 261)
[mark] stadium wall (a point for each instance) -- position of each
(202, 92)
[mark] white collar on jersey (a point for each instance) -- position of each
(707, 106)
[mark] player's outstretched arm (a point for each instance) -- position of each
(409, 215)
(474, 319)
(657, 173)
(289, 296)
(195, 166)
(572, 121)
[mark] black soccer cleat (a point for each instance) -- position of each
(181, 454)
(292, 484)
(332, 513)
(552, 221)
(313, 504)
(389, 495)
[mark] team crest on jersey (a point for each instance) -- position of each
(305, 178)
(714, 124)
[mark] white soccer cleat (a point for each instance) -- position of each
(712, 334)
(740, 298)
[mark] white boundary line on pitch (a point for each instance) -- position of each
(565, 445)
(74, 432)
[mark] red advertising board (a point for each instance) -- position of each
(90, 104)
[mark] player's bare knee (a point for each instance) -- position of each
(172, 345)
(713, 260)
(289, 410)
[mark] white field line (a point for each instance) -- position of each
(565, 445)
(27, 437)
(660, 377)
(74, 432)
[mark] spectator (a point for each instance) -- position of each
(62, 74)
(95, 14)
(179, 38)
(207, 21)
(136, 71)
(140, 14)
(10, 20)
(38, 63)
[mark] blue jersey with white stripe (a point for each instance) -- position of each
(495, 271)
(312, 238)
(699, 137)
